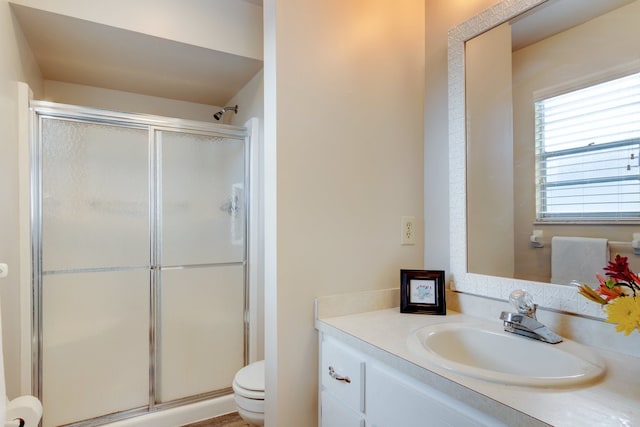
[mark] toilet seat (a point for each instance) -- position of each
(249, 394)
(249, 381)
(251, 377)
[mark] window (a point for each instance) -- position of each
(588, 153)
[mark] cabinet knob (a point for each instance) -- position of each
(335, 376)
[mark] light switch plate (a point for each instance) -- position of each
(4, 270)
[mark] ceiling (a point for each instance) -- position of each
(76, 51)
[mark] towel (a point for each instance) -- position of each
(577, 258)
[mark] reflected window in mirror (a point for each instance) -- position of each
(587, 152)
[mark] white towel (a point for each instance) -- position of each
(577, 258)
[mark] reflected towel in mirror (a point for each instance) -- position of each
(577, 258)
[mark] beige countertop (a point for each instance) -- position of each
(613, 400)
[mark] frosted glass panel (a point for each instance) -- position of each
(202, 330)
(95, 195)
(95, 344)
(203, 199)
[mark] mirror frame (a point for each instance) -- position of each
(559, 298)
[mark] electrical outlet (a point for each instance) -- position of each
(408, 230)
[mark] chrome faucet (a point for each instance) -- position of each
(524, 322)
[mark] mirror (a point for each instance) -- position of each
(554, 47)
(479, 279)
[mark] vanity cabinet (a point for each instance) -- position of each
(357, 390)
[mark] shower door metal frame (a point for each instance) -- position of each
(40, 110)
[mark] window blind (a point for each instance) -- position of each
(588, 152)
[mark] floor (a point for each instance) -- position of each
(229, 420)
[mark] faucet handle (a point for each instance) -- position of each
(522, 301)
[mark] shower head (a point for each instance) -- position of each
(220, 113)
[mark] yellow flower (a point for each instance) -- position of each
(625, 312)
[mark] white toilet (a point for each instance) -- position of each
(248, 388)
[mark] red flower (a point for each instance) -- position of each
(609, 294)
(618, 269)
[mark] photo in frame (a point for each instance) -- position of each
(422, 291)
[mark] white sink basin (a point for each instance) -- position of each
(488, 353)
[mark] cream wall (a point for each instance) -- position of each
(344, 86)
(16, 64)
(108, 99)
(250, 101)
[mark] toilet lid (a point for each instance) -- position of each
(251, 377)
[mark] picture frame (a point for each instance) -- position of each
(422, 291)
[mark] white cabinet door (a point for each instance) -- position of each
(394, 399)
(341, 385)
(342, 373)
(335, 414)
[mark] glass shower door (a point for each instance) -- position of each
(201, 286)
(140, 263)
(94, 269)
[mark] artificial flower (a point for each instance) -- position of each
(610, 293)
(590, 294)
(619, 294)
(625, 313)
(620, 273)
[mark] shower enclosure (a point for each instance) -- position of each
(139, 231)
